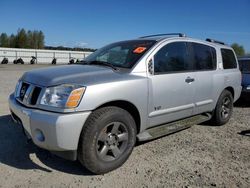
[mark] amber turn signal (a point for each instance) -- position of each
(75, 97)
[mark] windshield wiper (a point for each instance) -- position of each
(95, 62)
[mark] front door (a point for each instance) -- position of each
(171, 84)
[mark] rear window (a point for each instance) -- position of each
(228, 58)
(244, 66)
(204, 57)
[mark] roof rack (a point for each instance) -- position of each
(215, 41)
(166, 34)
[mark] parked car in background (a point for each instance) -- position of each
(140, 89)
(244, 63)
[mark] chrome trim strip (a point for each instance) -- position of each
(171, 110)
(43, 89)
(201, 103)
(18, 89)
(27, 96)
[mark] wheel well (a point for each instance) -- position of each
(231, 90)
(128, 107)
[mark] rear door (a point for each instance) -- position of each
(204, 61)
(171, 85)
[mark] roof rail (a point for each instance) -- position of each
(215, 41)
(166, 34)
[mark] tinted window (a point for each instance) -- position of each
(244, 66)
(228, 58)
(204, 57)
(172, 58)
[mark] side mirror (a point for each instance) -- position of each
(150, 66)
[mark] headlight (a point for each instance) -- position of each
(63, 96)
(248, 87)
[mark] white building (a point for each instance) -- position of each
(43, 56)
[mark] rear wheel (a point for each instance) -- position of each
(107, 139)
(224, 108)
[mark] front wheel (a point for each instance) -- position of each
(107, 139)
(224, 108)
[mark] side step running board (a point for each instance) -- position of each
(172, 127)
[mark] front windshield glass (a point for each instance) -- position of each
(121, 54)
(244, 66)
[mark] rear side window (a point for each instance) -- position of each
(228, 58)
(172, 58)
(204, 57)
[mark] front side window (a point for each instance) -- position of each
(121, 54)
(172, 58)
(228, 58)
(204, 57)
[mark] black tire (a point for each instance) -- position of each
(224, 109)
(107, 139)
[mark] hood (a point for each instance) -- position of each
(245, 79)
(77, 74)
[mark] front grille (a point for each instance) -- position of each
(35, 94)
(28, 94)
(23, 90)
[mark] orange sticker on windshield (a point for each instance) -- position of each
(139, 50)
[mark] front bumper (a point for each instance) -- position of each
(56, 132)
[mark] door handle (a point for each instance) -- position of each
(189, 80)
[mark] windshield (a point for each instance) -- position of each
(121, 54)
(244, 66)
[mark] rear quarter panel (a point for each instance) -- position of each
(225, 78)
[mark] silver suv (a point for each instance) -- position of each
(141, 89)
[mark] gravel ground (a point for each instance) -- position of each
(201, 156)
